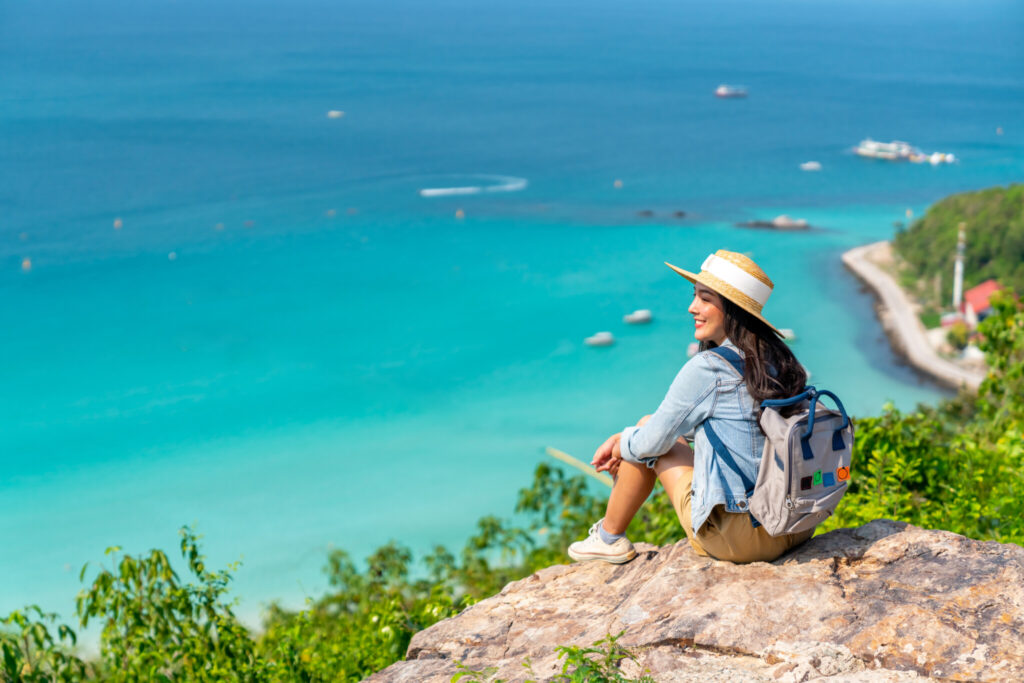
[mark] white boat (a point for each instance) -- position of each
(784, 222)
(692, 349)
(787, 334)
(810, 166)
(730, 91)
(638, 317)
(600, 339)
(896, 150)
(335, 114)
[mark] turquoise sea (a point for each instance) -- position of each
(287, 344)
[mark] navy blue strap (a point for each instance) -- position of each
(723, 453)
(811, 394)
(782, 402)
(730, 357)
(725, 456)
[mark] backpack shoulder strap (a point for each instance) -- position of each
(729, 356)
(717, 445)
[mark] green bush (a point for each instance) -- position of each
(958, 335)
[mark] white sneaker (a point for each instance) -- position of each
(593, 548)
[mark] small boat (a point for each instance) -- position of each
(730, 91)
(600, 339)
(639, 317)
(335, 114)
(810, 166)
(692, 349)
(784, 222)
(896, 150)
(788, 334)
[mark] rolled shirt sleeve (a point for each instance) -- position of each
(689, 401)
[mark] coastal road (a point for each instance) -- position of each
(905, 323)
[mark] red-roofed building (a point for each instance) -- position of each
(976, 306)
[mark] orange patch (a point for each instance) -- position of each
(843, 473)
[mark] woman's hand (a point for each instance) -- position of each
(608, 455)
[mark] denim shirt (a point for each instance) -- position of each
(707, 388)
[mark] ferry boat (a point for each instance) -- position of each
(730, 91)
(901, 151)
(890, 151)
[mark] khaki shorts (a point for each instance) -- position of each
(730, 535)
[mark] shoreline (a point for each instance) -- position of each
(900, 322)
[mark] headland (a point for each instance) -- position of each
(898, 316)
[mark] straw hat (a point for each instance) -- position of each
(735, 277)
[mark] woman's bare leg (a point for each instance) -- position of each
(634, 484)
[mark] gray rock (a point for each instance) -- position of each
(886, 601)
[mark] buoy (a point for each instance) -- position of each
(999, 130)
(460, 214)
(118, 223)
(618, 184)
(331, 213)
(638, 317)
(26, 264)
(249, 224)
(173, 256)
(600, 339)
(335, 114)
(219, 226)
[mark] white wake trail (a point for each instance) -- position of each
(501, 184)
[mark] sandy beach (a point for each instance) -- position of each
(900, 320)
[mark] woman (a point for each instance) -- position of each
(708, 396)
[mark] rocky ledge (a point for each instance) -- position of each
(886, 601)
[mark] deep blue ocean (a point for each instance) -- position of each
(285, 343)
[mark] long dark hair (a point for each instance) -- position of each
(763, 352)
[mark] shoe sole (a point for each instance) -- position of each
(614, 559)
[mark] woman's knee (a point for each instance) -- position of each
(679, 455)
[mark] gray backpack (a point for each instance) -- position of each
(805, 465)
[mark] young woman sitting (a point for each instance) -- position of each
(708, 494)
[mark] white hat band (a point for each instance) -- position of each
(737, 277)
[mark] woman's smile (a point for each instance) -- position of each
(708, 318)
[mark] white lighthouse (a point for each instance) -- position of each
(958, 269)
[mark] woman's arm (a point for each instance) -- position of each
(609, 454)
(689, 401)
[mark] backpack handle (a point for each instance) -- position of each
(813, 395)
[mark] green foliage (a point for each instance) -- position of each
(157, 628)
(958, 335)
(930, 318)
(599, 663)
(365, 621)
(33, 653)
(958, 467)
(596, 664)
(995, 241)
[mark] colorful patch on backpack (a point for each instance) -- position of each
(805, 483)
(817, 478)
(843, 473)
(828, 479)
